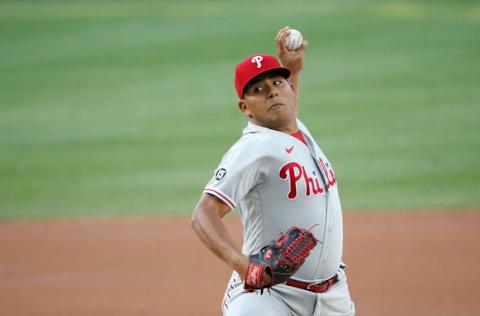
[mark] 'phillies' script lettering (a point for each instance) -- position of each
(331, 180)
(294, 172)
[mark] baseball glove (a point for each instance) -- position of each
(280, 259)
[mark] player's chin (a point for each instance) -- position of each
(279, 119)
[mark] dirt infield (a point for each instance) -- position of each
(398, 264)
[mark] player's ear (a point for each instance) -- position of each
(242, 105)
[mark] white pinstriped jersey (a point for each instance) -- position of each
(276, 181)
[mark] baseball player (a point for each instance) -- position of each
(276, 176)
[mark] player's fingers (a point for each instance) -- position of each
(280, 32)
(281, 36)
(281, 40)
(303, 46)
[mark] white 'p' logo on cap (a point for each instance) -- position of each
(257, 59)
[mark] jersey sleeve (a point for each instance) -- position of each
(239, 171)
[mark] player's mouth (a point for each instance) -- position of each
(275, 105)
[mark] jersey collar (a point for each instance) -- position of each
(253, 128)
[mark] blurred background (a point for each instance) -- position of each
(126, 107)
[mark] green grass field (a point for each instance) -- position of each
(126, 107)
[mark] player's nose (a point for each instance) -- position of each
(272, 91)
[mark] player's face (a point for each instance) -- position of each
(270, 102)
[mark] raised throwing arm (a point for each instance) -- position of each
(292, 60)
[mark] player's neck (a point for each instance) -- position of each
(292, 129)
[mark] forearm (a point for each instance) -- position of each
(292, 60)
(207, 224)
(294, 81)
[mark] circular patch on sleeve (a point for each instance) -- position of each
(220, 174)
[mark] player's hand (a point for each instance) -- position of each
(292, 60)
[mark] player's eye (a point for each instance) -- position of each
(277, 82)
(257, 89)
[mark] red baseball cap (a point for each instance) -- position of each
(254, 66)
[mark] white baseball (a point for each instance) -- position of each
(293, 40)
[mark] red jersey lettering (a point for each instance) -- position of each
(293, 171)
(331, 180)
(296, 172)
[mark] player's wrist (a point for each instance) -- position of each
(240, 264)
(294, 68)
